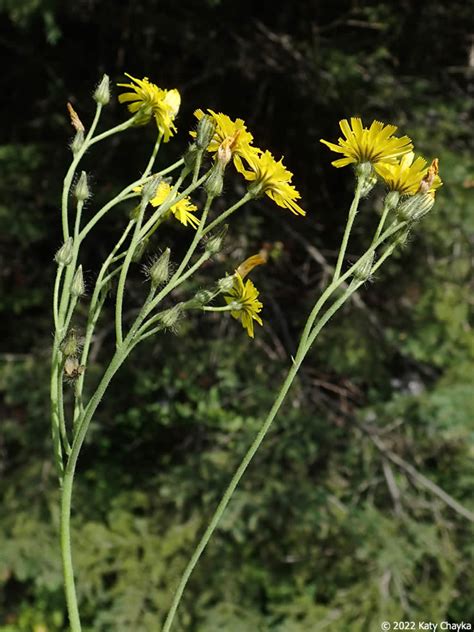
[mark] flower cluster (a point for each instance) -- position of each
(375, 152)
(268, 176)
(392, 158)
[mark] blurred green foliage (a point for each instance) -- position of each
(325, 532)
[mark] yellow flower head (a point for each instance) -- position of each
(273, 179)
(231, 139)
(407, 175)
(247, 298)
(246, 295)
(182, 210)
(147, 100)
(374, 144)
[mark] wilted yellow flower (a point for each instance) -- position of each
(431, 180)
(148, 100)
(231, 139)
(246, 295)
(273, 179)
(374, 144)
(182, 210)
(407, 176)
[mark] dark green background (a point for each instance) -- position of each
(315, 538)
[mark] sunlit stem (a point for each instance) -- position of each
(350, 220)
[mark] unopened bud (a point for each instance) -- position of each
(149, 189)
(139, 250)
(77, 141)
(81, 191)
(226, 284)
(364, 268)
(63, 257)
(170, 317)
(402, 238)
(205, 131)
(203, 297)
(214, 243)
(102, 92)
(190, 156)
(215, 181)
(391, 200)
(77, 287)
(159, 269)
(71, 344)
(415, 207)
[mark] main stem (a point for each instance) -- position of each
(221, 507)
(66, 492)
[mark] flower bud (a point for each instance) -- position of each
(169, 317)
(63, 257)
(77, 287)
(214, 243)
(215, 181)
(159, 269)
(139, 250)
(364, 268)
(102, 92)
(226, 284)
(81, 190)
(190, 156)
(415, 207)
(71, 346)
(206, 128)
(149, 189)
(204, 296)
(391, 200)
(77, 141)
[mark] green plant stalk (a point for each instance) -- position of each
(122, 127)
(197, 165)
(385, 211)
(394, 228)
(350, 220)
(302, 351)
(309, 336)
(224, 308)
(95, 306)
(124, 274)
(66, 491)
(57, 283)
(70, 172)
(227, 213)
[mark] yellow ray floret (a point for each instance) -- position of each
(273, 179)
(374, 144)
(230, 135)
(246, 295)
(407, 175)
(146, 100)
(182, 210)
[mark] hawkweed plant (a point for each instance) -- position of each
(156, 196)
